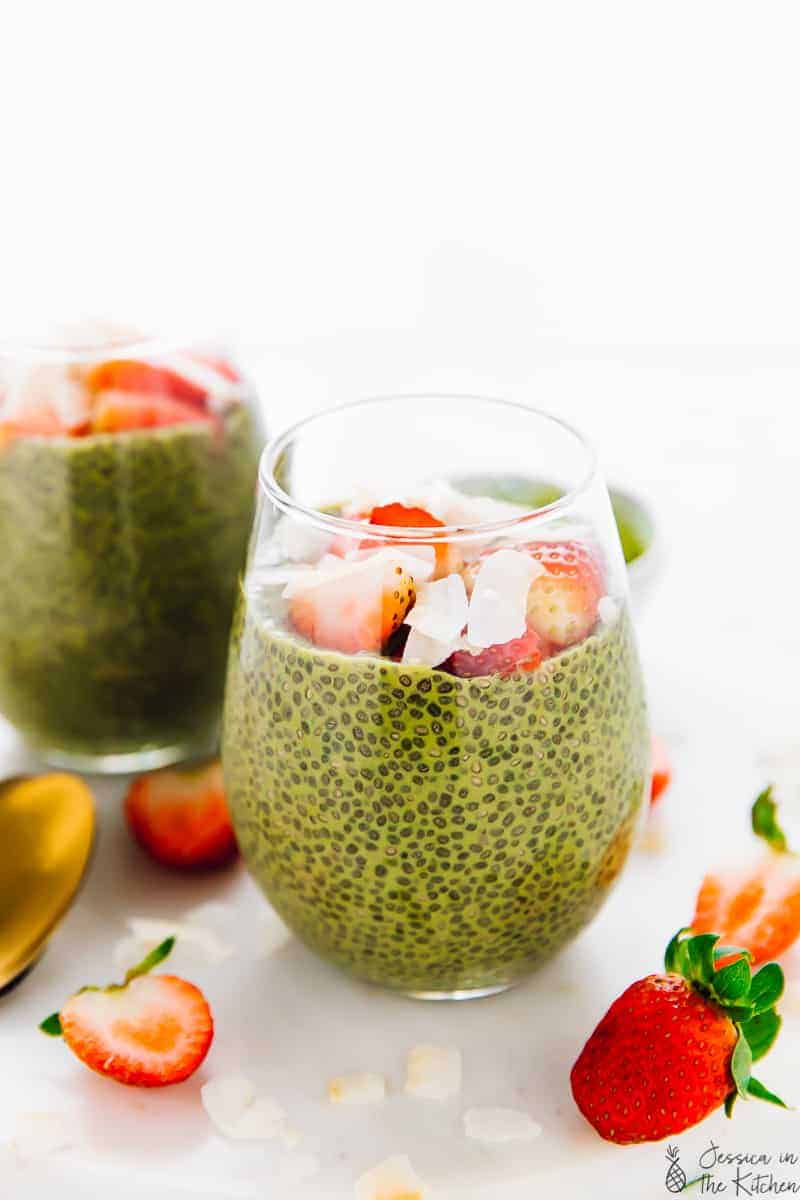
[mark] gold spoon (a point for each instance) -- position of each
(47, 826)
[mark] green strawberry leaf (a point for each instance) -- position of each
(675, 955)
(728, 951)
(730, 1100)
(733, 981)
(766, 987)
(52, 1025)
(151, 960)
(759, 1092)
(741, 1064)
(765, 823)
(761, 1031)
(701, 956)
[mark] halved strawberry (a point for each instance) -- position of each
(117, 412)
(143, 379)
(757, 907)
(562, 602)
(180, 816)
(525, 653)
(448, 557)
(220, 365)
(149, 1031)
(661, 767)
(356, 608)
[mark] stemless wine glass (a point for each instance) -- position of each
(435, 742)
(127, 488)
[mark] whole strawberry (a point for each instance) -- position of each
(675, 1047)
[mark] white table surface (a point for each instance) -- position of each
(715, 445)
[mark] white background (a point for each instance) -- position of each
(590, 206)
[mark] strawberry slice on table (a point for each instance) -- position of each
(148, 1031)
(525, 653)
(448, 557)
(180, 816)
(356, 608)
(562, 602)
(758, 907)
(143, 379)
(661, 768)
(118, 412)
(676, 1046)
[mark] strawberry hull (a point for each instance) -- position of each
(431, 833)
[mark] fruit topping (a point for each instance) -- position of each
(499, 597)
(355, 607)
(180, 816)
(448, 558)
(520, 654)
(117, 412)
(143, 379)
(563, 600)
(148, 1031)
(676, 1046)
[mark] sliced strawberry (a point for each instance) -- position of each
(520, 654)
(150, 1031)
(448, 557)
(758, 907)
(117, 412)
(356, 608)
(143, 379)
(180, 816)
(661, 767)
(562, 602)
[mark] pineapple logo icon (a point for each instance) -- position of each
(676, 1176)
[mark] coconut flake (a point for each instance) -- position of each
(363, 1088)
(392, 1179)
(607, 610)
(273, 933)
(433, 1072)
(500, 596)
(40, 1133)
(148, 932)
(497, 1125)
(427, 652)
(457, 508)
(237, 1111)
(440, 609)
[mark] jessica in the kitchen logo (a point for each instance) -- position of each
(734, 1173)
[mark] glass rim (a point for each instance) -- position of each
(134, 345)
(272, 452)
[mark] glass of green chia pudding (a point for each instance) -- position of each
(435, 741)
(127, 487)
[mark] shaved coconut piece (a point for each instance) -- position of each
(274, 934)
(392, 1179)
(427, 652)
(440, 610)
(364, 1088)
(370, 571)
(500, 596)
(296, 1167)
(39, 1133)
(433, 1072)
(300, 542)
(607, 610)
(499, 1125)
(234, 1108)
(149, 932)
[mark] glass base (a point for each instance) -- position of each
(463, 994)
(148, 758)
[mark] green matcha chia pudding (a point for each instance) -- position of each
(127, 488)
(435, 741)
